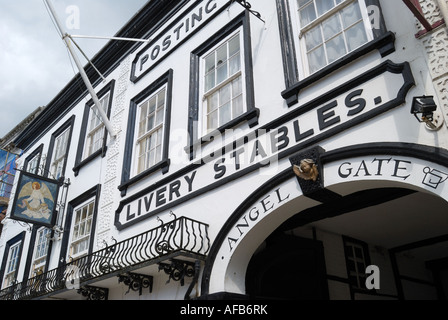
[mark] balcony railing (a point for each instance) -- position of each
(182, 235)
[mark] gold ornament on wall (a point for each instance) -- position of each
(307, 170)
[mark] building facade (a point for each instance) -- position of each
(271, 149)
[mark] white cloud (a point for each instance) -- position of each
(34, 63)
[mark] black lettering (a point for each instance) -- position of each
(280, 200)
(139, 209)
(257, 151)
(360, 103)
(196, 17)
(231, 241)
(397, 167)
(177, 31)
(207, 7)
(155, 52)
(236, 154)
(347, 172)
(160, 197)
(363, 167)
(380, 165)
(257, 213)
(300, 136)
(129, 216)
(264, 204)
(327, 116)
(187, 25)
(174, 189)
(143, 60)
(190, 181)
(279, 140)
(220, 169)
(166, 43)
(238, 226)
(148, 202)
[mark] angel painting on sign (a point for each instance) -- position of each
(35, 200)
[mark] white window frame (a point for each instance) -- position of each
(40, 251)
(203, 129)
(76, 239)
(33, 164)
(59, 153)
(11, 264)
(95, 128)
(304, 65)
(145, 136)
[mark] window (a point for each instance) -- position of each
(221, 83)
(82, 228)
(58, 151)
(357, 259)
(150, 131)
(11, 265)
(40, 252)
(81, 217)
(330, 29)
(319, 37)
(93, 135)
(33, 162)
(147, 140)
(11, 260)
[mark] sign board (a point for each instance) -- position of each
(357, 101)
(194, 18)
(35, 200)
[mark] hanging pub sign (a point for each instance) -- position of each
(35, 200)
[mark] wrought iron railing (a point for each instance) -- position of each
(180, 235)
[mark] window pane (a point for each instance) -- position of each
(335, 48)
(313, 38)
(303, 2)
(210, 63)
(212, 103)
(237, 86)
(221, 55)
(331, 27)
(224, 114)
(307, 14)
(356, 36)
(210, 81)
(317, 59)
(221, 73)
(237, 106)
(235, 64)
(351, 14)
(212, 121)
(224, 94)
(323, 6)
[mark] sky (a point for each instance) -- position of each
(34, 62)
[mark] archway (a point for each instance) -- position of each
(395, 213)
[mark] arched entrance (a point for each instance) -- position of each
(391, 215)
(390, 222)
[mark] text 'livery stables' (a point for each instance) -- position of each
(346, 106)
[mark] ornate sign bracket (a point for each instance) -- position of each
(248, 7)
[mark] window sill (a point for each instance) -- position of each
(251, 117)
(384, 44)
(162, 165)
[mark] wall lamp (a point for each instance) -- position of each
(423, 109)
